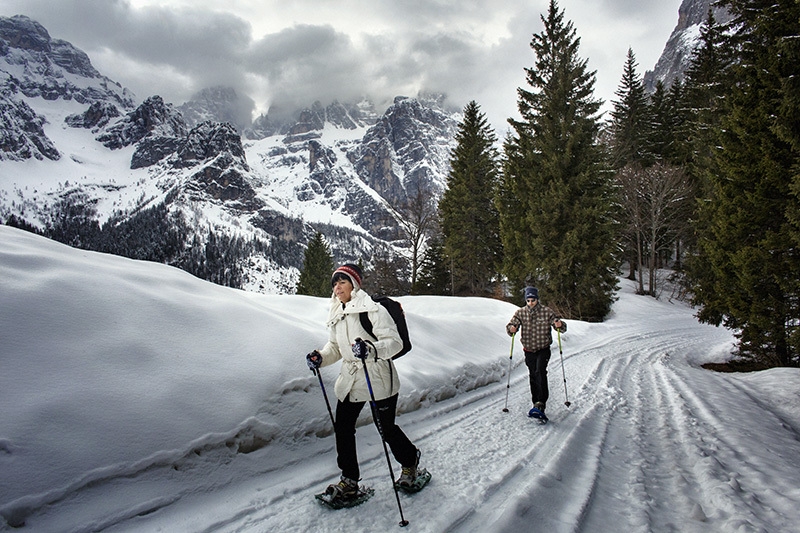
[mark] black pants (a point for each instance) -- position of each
(537, 367)
(346, 416)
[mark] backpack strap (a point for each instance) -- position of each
(366, 323)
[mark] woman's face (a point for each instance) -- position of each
(343, 289)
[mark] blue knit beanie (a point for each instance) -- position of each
(531, 292)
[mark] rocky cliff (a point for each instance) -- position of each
(340, 168)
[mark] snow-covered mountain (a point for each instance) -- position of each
(677, 52)
(218, 104)
(74, 145)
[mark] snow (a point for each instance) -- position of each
(138, 398)
(84, 163)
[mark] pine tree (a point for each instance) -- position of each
(788, 129)
(467, 211)
(745, 273)
(315, 279)
(707, 81)
(667, 121)
(555, 197)
(698, 114)
(389, 273)
(631, 120)
(434, 276)
(631, 130)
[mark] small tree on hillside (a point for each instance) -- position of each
(434, 276)
(315, 279)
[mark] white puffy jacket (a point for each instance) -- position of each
(345, 327)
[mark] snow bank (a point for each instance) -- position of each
(111, 365)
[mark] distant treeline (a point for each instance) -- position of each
(151, 234)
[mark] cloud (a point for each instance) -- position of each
(293, 53)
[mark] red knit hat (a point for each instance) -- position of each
(353, 272)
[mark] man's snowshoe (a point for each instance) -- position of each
(415, 484)
(346, 493)
(538, 415)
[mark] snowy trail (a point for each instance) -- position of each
(641, 435)
(158, 409)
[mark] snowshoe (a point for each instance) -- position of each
(416, 484)
(538, 415)
(346, 493)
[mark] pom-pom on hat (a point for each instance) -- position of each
(531, 292)
(348, 271)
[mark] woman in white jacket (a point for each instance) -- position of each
(355, 347)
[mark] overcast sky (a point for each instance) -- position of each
(282, 52)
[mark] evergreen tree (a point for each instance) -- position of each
(788, 129)
(467, 211)
(631, 130)
(389, 273)
(631, 120)
(555, 197)
(315, 279)
(667, 121)
(707, 81)
(698, 113)
(20, 223)
(434, 276)
(746, 270)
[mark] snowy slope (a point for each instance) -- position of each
(138, 398)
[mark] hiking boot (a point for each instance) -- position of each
(346, 489)
(539, 406)
(409, 473)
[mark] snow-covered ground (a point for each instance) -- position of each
(138, 398)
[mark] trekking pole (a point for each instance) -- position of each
(324, 394)
(564, 374)
(374, 407)
(510, 356)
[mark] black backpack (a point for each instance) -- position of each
(399, 317)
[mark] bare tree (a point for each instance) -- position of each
(417, 219)
(655, 204)
(666, 211)
(629, 181)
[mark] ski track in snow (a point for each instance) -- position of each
(639, 435)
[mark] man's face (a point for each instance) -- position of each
(532, 302)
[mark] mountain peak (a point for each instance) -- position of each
(24, 33)
(219, 104)
(37, 65)
(678, 51)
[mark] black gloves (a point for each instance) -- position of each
(361, 349)
(314, 359)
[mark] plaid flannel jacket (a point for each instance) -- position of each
(536, 323)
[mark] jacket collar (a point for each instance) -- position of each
(360, 302)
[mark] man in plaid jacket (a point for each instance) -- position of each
(536, 319)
